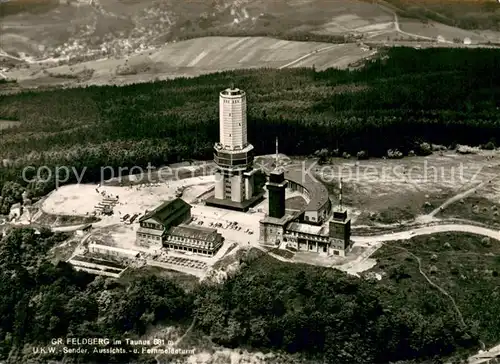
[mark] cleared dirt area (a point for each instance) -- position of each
(81, 200)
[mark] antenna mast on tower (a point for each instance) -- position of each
(277, 157)
(340, 194)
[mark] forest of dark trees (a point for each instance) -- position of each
(403, 98)
(321, 314)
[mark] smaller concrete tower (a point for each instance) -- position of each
(276, 188)
(340, 228)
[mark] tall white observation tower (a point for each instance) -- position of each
(233, 155)
(233, 119)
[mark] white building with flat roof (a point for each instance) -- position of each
(112, 251)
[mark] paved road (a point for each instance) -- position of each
(427, 230)
(289, 64)
(397, 28)
(485, 357)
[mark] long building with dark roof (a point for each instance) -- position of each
(155, 224)
(194, 239)
(166, 227)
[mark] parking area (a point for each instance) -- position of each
(235, 226)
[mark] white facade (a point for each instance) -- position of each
(237, 188)
(233, 154)
(249, 183)
(219, 186)
(233, 119)
(113, 251)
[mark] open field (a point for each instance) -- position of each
(111, 27)
(385, 191)
(200, 56)
(433, 29)
(480, 209)
(463, 265)
(194, 57)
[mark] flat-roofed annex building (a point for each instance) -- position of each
(194, 239)
(112, 251)
(155, 224)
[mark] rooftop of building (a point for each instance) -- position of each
(234, 152)
(163, 212)
(318, 194)
(233, 205)
(232, 92)
(279, 221)
(149, 231)
(302, 228)
(339, 213)
(195, 232)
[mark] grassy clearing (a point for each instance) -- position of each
(462, 14)
(65, 220)
(231, 257)
(282, 253)
(63, 251)
(466, 266)
(474, 208)
(186, 281)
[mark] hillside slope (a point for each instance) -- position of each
(40, 29)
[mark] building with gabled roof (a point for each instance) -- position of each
(155, 224)
(165, 227)
(194, 239)
(167, 212)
